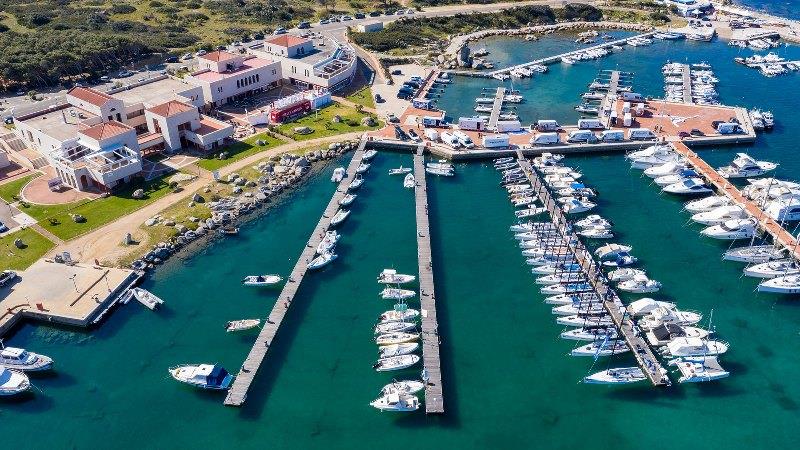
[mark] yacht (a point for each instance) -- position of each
(731, 229)
(666, 333)
(409, 182)
(566, 288)
(549, 269)
(242, 325)
(639, 284)
(625, 274)
(621, 375)
(21, 359)
(339, 217)
(356, 183)
(772, 269)
(390, 276)
(786, 209)
(576, 206)
(550, 258)
(623, 259)
(205, 376)
(662, 316)
(744, 166)
(691, 346)
(369, 154)
(699, 369)
(396, 293)
(396, 338)
(593, 220)
(396, 402)
(653, 150)
(679, 177)
(720, 214)
(789, 284)
(689, 186)
(572, 299)
(529, 212)
(347, 200)
(363, 167)
(400, 171)
(707, 203)
(322, 261)
(338, 174)
(585, 321)
(589, 334)
(407, 348)
(395, 363)
(582, 309)
(596, 233)
(327, 243)
(394, 327)
(610, 251)
(403, 387)
(665, 169)
(754, 254)
(261, 280)
(401, 312)
(564, 277)
(645, 306)
(440, 171)
(646, 162)
(601, 348)
(13, 382)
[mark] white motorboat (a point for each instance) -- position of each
(242, 325)
(363, 167)
(645, 306)
(665, 333)
(789, 284)
(443, 172)
(601, 348)
(653, 150)
(639, 284)
(327, 244)
(390, 276)
(596, 233)
(564, 277)
(611, 251)
(548, 269)
(205, 376)
(621, 375)
(720, 214)
(524, 227)
(338, 174)
(396, 338)
(699, 369)
(662, 316)
(21, 359)
(385, 351)
(592, 221)
(744, 166)
(347, 200)
(589, 334)
(400, 170)
(322, 261)
(585, 321)
(395, 363)
(403, 387)
(568, 288)
(529, 212)
(689, 186)
(754, 254)
(576, 206)
(624, 274)
(548, 258)
(784, 209)
(645, 162)
(582, 309)
(409, 182)
(339, 217)
(572, 299)
(707, 203)
(691, 346)
(369, 154)
(13, 382)
(622, 259)
(731, 229)
(356, 183)
(679, 177)
(772, 269)
(400, 313)
(396, 403)
(665, 169)
(523, 201)
(394, 327)
(146, 298)
(396, 294)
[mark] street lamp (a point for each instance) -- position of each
(74, 283)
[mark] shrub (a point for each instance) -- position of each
(583, 12)
(3, 28)
(122, 8)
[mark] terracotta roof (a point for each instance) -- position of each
(218, 55)
(90, 95)
(170, 108)
(286, 40)
(105, 130)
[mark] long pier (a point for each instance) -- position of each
(687, 83)
(611, 97)
(499, 98)
(434, 398)
(640, 349)
(237, 394)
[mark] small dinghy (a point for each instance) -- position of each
(261, 280)
(328, 242)
(407, 387)
(396, 293)
(394, 327)
(347, 200)
(621, 375)
(395, 363)
(229, 231)
(339, 217)
(13, 382)
(322, 260)
(409, 182)
(440, 171)
(601, 348)
(385, 351)
(400, 171)
(396, 403)
(338, 174)
(390, 276)
(369, 154)
(396, 338)
(241, 325)
(205, 376)
(147, 298)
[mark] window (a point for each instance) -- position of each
(238, 84)
(273, 71)
(257, 78)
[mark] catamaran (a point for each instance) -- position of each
(699, 369)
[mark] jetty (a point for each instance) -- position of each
(607, 105)
(687, 83)
(499, 98)
(237, 394)
(434, 398)
(639, 347)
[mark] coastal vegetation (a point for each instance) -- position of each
(363, 97)
(34, 247)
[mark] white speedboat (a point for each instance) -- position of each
(554, 289)
(679, 177)
(611, 251)
(689, 186)
(525, 227)
(205, 376)
(645, 162)
(744, 166)
(665, 169)
(707, 203)
(592, 221)
(322, 261)
(397, 294)
(403, 387)
(772, 269)
(731, 229)
(400, 170)
(395, 363)
(624, 274)
(622, 259)
(13, 382)
(394, 327)
(549, 269)
(21, 359)
(327, 243)
(720, 214)
(529, 212)
(572, 299)
(621, 375)
(754, 254)
(369, 154)
(390, 276)
(662, 316)
(645, 306)
(242, 325)
(699, 369)
(582, 309)
(385, 351)
(396, 403)
(400, 313)
(409, 182)
(338, 174)
(653, 150)
(339, 217)
(356, 183)
(639, 284)
(601, 348)
(261, 280)
(550, 258)
(690, 346)
(585, 321)
(789, 284)
(785, 209)
(665, 333)
(596, 233)
(396, 338)
(442, 172)
(565, 277)
(347, 200)
(576, 206)
(363, 167)
(589, 334)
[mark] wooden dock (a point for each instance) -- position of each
(611, 97)
(640, 349)
(237, 394)
(499, 99)
(434, 396)
(687, 83)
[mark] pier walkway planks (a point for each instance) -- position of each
(434, 398)
(499, 99)
(687, 83)
(644, 355)
(237, 394)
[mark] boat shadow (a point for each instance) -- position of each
(31, 402)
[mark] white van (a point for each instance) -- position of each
(627, 120)
(449, 139)
(463, 139)
(612, 135)
(547, 125)
(581, 136)
(472, 123)
(626, 107)
(509, 125)
(632, 97)
(545, 139)
(431, 134)
(640, 134)
(496, 141)
(729, 128)
(640, 109)
(590, 124)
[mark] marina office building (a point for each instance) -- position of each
(224, 77)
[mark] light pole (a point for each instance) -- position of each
(74, 283)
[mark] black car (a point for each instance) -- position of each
(412, 84)
(379, 99)
(171, 59)
(303, 25)
(359, 15)
(375, 14)
(404, 95)
(397, 72)
(696, 132)
(6, 276)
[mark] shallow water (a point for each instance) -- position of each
(507, 380)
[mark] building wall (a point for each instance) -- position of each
(169, 127)
(219, 91)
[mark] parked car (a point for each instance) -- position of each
(397, 72)
(105, 78)
(379, 99)
(8, 120)
(346, 18)
(392, 118)
(683, 134)
(279, 30)
(303, 25)
(7, 276)
(171, 59)
(375, 14)
(324, 22)
(360, 15)
(186, 57)
(410, 11)
(201, 52)
(3, 227)
(696, 132)
(124, 74)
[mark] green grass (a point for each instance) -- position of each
(239, 150)
(12, 189)
(322, 125)
(15, 258)
(363, 97)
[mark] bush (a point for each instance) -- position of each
(156, 4)
(122, 8)
(582, 12)
(3, 28)
(659, 17)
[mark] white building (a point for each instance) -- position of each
(225, 77)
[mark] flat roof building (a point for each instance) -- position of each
(225, 77)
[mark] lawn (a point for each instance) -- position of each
(322, 124)
(11, 189)
(363, 97)
(15, 258)
(239, 150)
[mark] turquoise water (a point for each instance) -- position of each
(508, 383)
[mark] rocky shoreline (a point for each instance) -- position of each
(277, 176)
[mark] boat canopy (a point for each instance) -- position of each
(611, 250)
